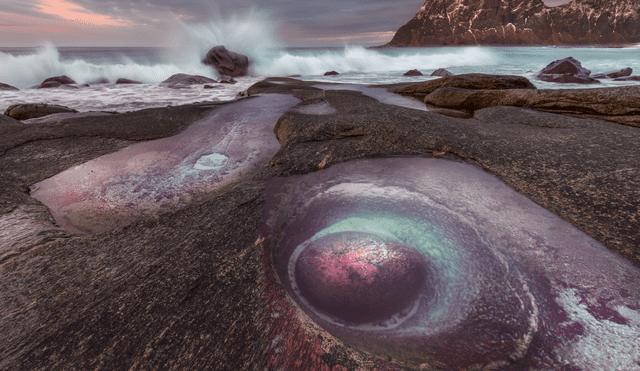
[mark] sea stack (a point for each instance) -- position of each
(521, 22)
(227, 62)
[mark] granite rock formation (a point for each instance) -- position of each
(441, 72)
(614, 74)
(7, 87)
(123, 81)
(181, 79)
(521, 22)
(64, 80)
(567, 70)
(30, 111)
(226, 62)
(195, 288)
(414, 72)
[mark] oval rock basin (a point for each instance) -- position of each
(467, 272)
(151, 177)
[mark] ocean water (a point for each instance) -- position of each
(26, 68)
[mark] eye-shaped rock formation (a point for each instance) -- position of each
(200, 287)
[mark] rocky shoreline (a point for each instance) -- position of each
(195, 288)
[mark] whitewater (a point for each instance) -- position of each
(100, 67)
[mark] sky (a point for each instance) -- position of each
(161, 22)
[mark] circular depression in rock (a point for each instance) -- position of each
(358, 277)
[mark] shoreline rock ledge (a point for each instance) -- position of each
(521, 22)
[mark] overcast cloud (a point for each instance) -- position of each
(153, 22)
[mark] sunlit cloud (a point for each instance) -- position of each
(76, 14)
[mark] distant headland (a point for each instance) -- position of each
(521, 22)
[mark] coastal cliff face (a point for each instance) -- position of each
(521, 22)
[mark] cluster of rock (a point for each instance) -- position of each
(439, 72)
(227, 63)
(570, 70)
(462, 95)
(521, 22)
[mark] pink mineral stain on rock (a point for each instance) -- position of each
(157, 176)
(360, 277)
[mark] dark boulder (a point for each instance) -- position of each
(568, 70)
(63, 80)
(628, 78)
(127, 81)
(101, 80)
(7, 87)
(331, 73)
(614, 74)
(227, 80)
(441, 72)
(227, 62)
(50, 84)
(413, 73)
(182, 79)
(30, 111)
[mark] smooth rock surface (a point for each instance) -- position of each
(412, 73)
(441, 72)
(464, 81)
(614, 74)
(181, 79)
(227, 62)
(126, 81)
(195, 288)
(567, 70)
(7, 87)
(30, 111)
(50, 84)
(61, 79)
(618, 104)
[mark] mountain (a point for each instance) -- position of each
(521, 22)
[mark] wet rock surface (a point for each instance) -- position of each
(226, 62)
(441, 72)
(412, 73)
(567, 70)
(181, 79)
(614, 74)
(464, 81)
(126, 81)
(64, 80)
(7, 87)
(163, 292)
(30, 111)
(619, 104)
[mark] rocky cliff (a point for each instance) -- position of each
(521, 22)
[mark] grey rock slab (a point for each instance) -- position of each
(30, 111)
(616, 104)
